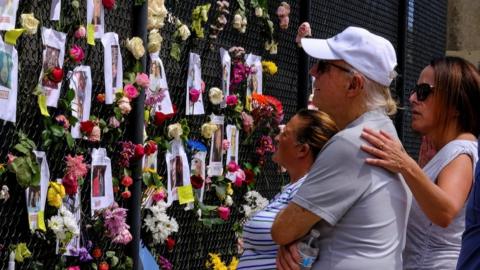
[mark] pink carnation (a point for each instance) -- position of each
(232, 100)
(194, 95)
(130, 91)
(232, 166)
(113, 122)
(304, 30)
(223, 212)
(142, 80)
(76, 54)
(158, 196)
(81, 32)
(76, 166)
(240, 177)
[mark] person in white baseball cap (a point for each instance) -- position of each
(360, 210)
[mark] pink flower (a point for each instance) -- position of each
(76, 267)
(282, 11)
(113, 122)
(223, 212)
(304, 30)
(232, 100)
(76, 166)
(10, 158)
(240, 177)
(247, 121)
(76, 54)
(70, 183)
(232, 166)
(94, 136)
(130, 91)
(108, 4)
(194, 95)
(142, 80)
(62, 120)
(158, 195)
(115, 222)
(225, 144)
(81, 32)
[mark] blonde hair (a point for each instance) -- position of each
(379, 96)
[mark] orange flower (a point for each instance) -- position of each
(260, 99)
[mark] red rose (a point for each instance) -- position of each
(150, 147)
(76, 54)
(170, 242)
(103, 266)
(196, 181)
(139, 151)
(127, 181)
(86, 126)
(97, 253)
(70, 183)
(126, 194)
(249, 176)
(108, 4)
(161, 117)
(55, 74)
(101, 98)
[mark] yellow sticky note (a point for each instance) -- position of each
(91, 34)
(42, 103)
(185, 194)
(41, 221)
(12, 36)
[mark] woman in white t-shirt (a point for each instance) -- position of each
(297, 147)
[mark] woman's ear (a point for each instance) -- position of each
(357, 83)
(304, 150)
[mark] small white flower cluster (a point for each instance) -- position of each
(4, 194)
(64, 225)
(255, 203)
(159, 223)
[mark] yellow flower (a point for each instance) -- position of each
(135, 46)
(233, 264)
(154, 41)
(55, 194)
(208, 129)
(269, 67)
(229, 189)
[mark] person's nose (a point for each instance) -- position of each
(311, 71)
(413, 98)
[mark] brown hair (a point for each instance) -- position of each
(457, 87)
(316, 129)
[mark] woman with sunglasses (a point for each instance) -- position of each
(297, 147)
(445, 108)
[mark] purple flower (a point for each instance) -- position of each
(83, 255)
(154, 97)
(115, 222)
(164, 263)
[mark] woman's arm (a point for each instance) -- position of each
(440, 202)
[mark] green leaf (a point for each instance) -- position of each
(47, 143)
(146, 178)
(137, 68)
(175, 51)
(70, 140)
(20, 148)
(57, 131)
(70, 95)
(221, 191)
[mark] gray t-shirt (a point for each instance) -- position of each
(364, 208)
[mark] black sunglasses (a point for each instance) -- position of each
(323, 66)
(423, 90)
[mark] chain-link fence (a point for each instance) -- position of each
(423, 39)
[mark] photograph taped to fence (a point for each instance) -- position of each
(96, 17)
(8, 82)
(194, 100)
(81, 83)
(55, 10)
(36, 197)
(113, 65)
(150, 162)
(8, 13)
(254, 79)
(178, 171)
(226, 68)
(197, 168)
(215, 165)
(101, 188)
(158, 89)
(73, 204)
(53, 55)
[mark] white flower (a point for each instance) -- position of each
(175, 131)
(271, 47)
(228, 201)
(183, 32)
(215, 95)
(135, 46)
(237, 22)
(258, 12)
(208, 129)
(29, 23)
(154, 41)
(55, 224)
(160, 224)
(124, 105)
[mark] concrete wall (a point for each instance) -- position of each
(463, 29)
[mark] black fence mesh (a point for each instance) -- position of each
(425, 39)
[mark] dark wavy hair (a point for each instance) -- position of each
(316, 129)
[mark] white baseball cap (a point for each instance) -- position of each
(372, 55)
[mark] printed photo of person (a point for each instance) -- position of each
(6, 66)
(155, 75)
(217, 144)
(50, 61)
(176, 172)
(80, 79)
(233, 144)
(114, 65)
(96, 19)
(225, 72)
(98, 181)
(7, 11)
(33, 199)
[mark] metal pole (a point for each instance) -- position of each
(303, 61)
(401, 68)
(139, 26)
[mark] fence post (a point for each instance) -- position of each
(401, 60)
(303, 60)
(136, 128)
